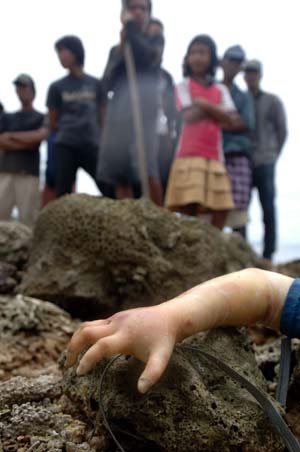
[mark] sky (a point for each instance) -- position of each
(267, 30)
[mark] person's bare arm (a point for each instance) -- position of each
(236, 125)
(29, 138)
(241, 298)
(193, 114)
(53, 116)
(215, 112)
(7, 144)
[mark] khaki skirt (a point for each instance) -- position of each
(196, 180)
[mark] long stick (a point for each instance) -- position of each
(137, 116)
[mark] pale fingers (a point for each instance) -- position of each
(92, 323)
(155, 367)
(103, 348)
(85, 337)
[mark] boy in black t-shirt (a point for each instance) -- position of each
(22, 133)
(75, 109)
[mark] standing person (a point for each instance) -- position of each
(49, 192)
(118, 160)
(199, 182)
(22, 134)
(1, 114)
(237, 143)
(75, 105)
(269, 137)
(167, 114)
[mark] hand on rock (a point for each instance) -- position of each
(146, 333)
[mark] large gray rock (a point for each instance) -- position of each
(15, 242)
(95, 256)
(194, 408)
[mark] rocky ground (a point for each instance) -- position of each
(97, 264)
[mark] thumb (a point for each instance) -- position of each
(155, 367)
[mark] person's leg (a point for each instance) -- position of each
(7, 197)
(49, 192)
(265, 182)
(66, 165)
(166, 152)
(242, 231)
(155, 191)
(151, 148)
(27, 198)
(88, 159)
(190, 210)
(123, 192)
(218, 218)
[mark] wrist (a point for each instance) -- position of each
(186, 315)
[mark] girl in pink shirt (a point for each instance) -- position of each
(198, 181)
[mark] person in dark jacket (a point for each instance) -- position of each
(168, 117)
(118, 159)
(1, 113)
(269, 137)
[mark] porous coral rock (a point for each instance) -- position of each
(94, 256)
(8, 277)
(33, 333)
(15, 242)
(194, 408)
(35, 416)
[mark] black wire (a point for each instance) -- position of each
(106, 423)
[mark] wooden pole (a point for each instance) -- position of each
(137, 116)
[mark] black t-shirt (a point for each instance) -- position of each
(77, 101)
(27, 161)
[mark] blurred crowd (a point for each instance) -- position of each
(205, 143)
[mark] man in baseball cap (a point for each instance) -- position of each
(22, 134)
(253, 66)
(237, 144)
(269, 137)
(24, 80)
(236, 53)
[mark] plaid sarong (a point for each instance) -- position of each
(240, 174)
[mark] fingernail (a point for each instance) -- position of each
(81, 370)
(144, 385)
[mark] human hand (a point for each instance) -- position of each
(194, 114)
(6, 141)
(146, 333)
(202, 104)
(126, 16)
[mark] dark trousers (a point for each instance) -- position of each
(264, 181)
(166, 151)
(68, 159)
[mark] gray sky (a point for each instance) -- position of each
(267, 30)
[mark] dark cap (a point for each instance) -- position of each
(235, 53)
(253, 65)
(25, 80)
